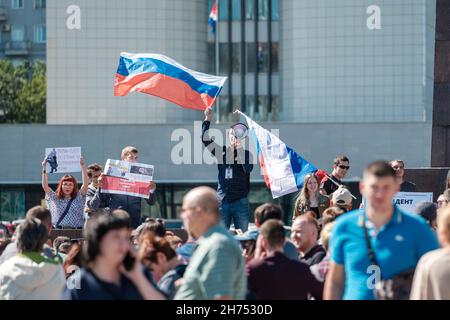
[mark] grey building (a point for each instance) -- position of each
(332, 76)
(23, 33)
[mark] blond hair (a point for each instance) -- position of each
(127, 150)
(325, 234)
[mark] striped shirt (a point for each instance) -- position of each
(216, 268)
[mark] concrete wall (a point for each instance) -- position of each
(335, 69)
(82, 62)
(23, 146)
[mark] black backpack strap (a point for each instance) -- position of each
(372, 257)
(64, 213)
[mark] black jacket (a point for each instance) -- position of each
(230, 190)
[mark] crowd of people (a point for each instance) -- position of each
(330, 250)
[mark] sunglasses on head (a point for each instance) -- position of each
(344, 167)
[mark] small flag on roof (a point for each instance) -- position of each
(213, 18)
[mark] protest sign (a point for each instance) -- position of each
(62, 160)
(117, 185)
(408, 201)
(129, 170)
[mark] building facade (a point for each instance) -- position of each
(23, 32)
(348, 76)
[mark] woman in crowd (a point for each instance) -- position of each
(310, 199)
(74, 260)
(66, 204)
(111, 271)
(30, 275)
(320, 269)
(432, 275)
(161, 259)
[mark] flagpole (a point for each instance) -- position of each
(217, 60)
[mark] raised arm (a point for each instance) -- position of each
(45, 186)
(206, 139)
(85, 185)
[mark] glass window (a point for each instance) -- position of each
(275, 111)
(236, 57)
(250, 105)
(274, 57)
(224, 58)
(16, 4)
(263, 57)
(223, 10)
(12, 204)
(275, 13)
(40, 34)
(17, 33)
(39, 4)
(223, 108)
(250, 57)
(211, 58)
(263, 8)
(249, 9)
(263, 110)
(236, 10)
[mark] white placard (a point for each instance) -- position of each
(63, 160)
(408, 201)
(129, 170)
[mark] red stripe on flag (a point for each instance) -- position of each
(165, 87)
(264, 171)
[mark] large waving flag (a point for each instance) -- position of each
(161, 76)
(284, 170)
(213, 18)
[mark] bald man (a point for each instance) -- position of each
(304, 235)
(216, 268)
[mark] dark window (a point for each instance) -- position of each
(250, 57)
(235, 9)
(275, 12)
(274, 57)
(236, 57)
(263, 57)
(211, 58)
(223, 10)
(250, 9)
(224, 58)
(263, 9)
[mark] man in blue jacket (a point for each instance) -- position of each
(234, 165)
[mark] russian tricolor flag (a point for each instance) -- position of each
(213, 18)
(161, 76)
(284, 170)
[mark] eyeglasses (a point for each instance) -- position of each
(397, 167)
(344, 167)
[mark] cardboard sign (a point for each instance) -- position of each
(408, 201)
(117, 185)
(63, 160)
(129, 170)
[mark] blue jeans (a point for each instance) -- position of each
(236, 210)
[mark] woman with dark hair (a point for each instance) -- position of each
(73, 260)
(30, 275)
(310, 199)
(161, 259)
(66, 204)
(110, 270)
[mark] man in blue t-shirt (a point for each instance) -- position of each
(398, 239)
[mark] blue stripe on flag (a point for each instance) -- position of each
(143, 65)
(300, 167)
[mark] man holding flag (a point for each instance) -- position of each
(234, 165)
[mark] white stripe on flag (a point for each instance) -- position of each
(277, 161)
(202, 77)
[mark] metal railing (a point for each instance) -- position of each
(17, 47)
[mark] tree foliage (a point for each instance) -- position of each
(23, 91)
